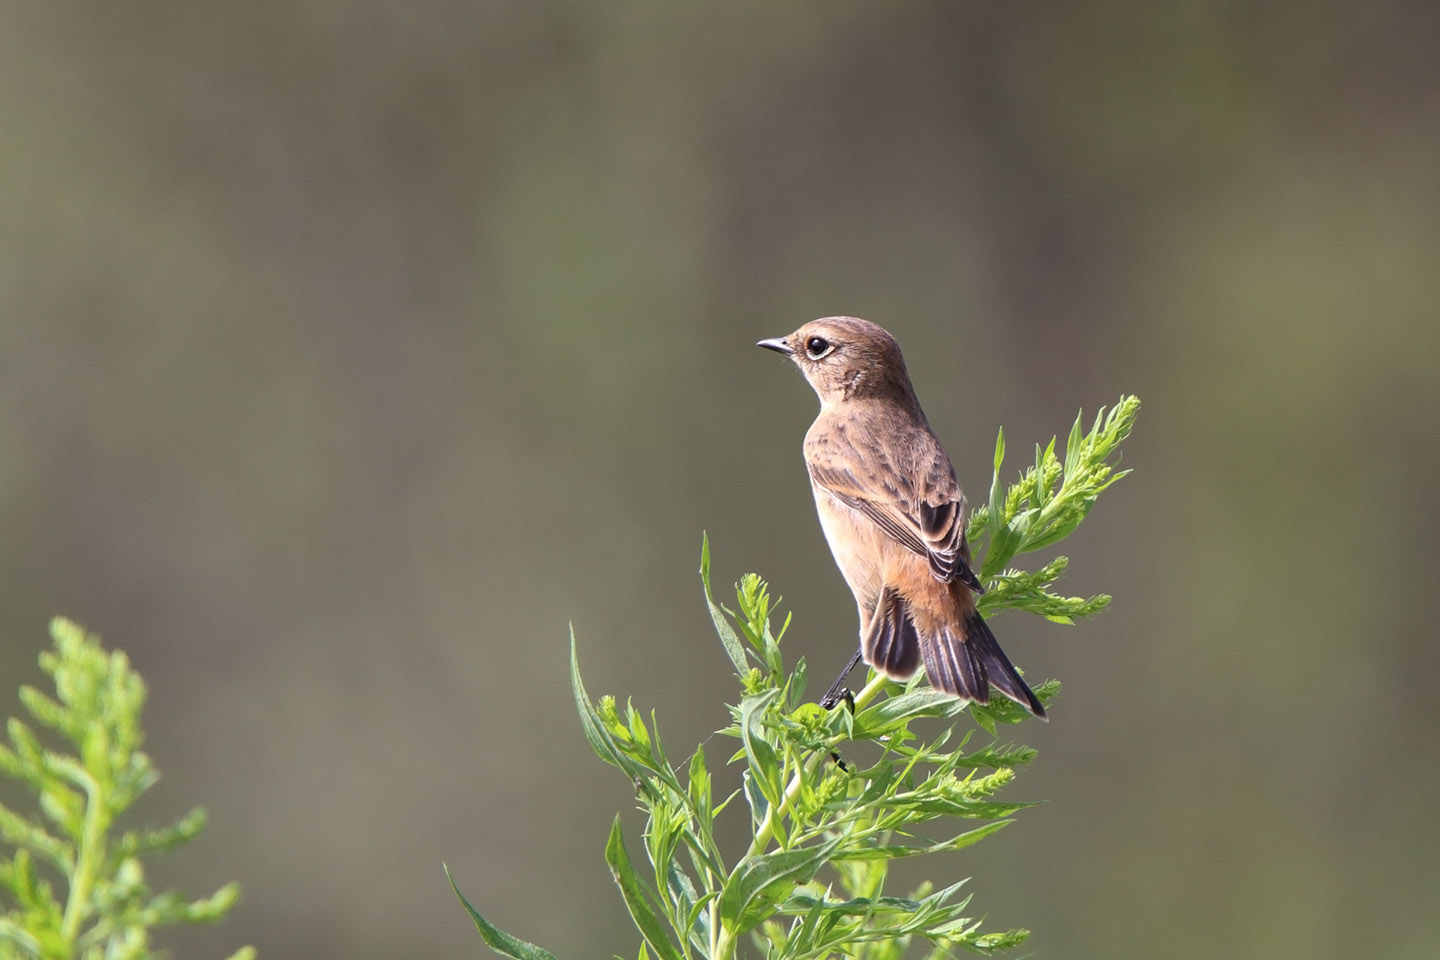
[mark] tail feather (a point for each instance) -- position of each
(969, 666)
(965, 662)
(890, 644)
(952, 666)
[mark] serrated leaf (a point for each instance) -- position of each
(497, 939)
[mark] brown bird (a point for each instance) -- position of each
(894, 516)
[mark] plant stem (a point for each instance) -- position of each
(722, 938)
(87, 860)
(767, 826)
(724, 948)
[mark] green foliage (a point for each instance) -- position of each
(78, 890)
(834, 797)
(1043, 508)
(499, 940)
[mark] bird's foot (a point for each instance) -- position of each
(835, 695)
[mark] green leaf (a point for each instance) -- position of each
(751, 891)
(795, 687)
(1004, 710)
(689, 905)
(970, 809)
(755, 798)
(983, 717)
(728, 637)
(1072, 445)
(86, 774)
(498, 940)
(600, 740)
(638, 734)
(133, 842)
(997, 755)
(17, 936)
(894, 712)
(1029, 591)
(635, 900)
(16, 830)
(898, 851)
(996, 512)
(699, 789)
(763, 760)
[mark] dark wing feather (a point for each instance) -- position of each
(943, 527)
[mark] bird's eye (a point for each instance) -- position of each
(817, 347)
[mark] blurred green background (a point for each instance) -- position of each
(350, 351)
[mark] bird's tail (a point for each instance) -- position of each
(966, 663)
(891, 644)
(970, 664)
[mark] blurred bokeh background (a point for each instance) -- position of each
(349, 351)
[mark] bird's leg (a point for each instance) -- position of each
(838, 691)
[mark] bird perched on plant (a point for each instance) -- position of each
(894, 516)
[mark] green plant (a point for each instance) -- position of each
(842, 793)
(78, 889)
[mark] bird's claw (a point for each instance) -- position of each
(833, 698)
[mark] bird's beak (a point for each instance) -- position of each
(779, 345)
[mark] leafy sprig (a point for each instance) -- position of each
(834, 797)
(1042, 508)
(79, 891)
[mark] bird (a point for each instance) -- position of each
(894, 515)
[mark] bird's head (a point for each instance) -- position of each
(846, 358)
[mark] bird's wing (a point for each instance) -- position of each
(931, 522)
